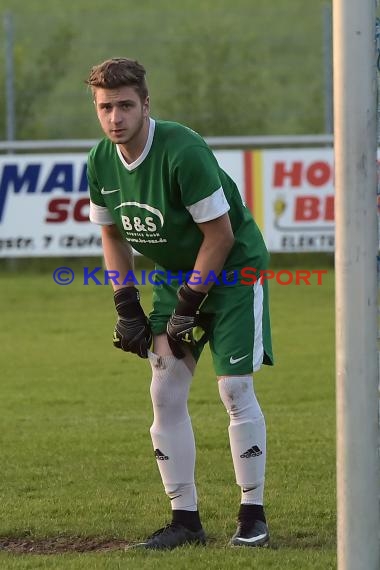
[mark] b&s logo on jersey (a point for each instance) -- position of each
(298, 199)
(44, 206)
(142, 228)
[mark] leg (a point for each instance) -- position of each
(171, 432)
(174, 445)
(240, 344)
(247, 434)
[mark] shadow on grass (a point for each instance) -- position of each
(72, 544)
(303, 541)
(59, 545)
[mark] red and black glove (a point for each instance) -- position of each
(132, 331)
(183, 326)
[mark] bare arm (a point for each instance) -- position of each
(118, 254)
(217, 243)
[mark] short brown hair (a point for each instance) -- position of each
(119, 72)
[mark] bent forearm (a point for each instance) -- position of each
(211, 258)
(118, 254)
(217, 243)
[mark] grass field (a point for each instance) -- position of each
(77, 468)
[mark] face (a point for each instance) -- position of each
(122, 114)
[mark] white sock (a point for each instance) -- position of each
(172, 432)
(247, 435)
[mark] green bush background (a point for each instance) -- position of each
(250, 67)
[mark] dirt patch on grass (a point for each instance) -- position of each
(59, 545)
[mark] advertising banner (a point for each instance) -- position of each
(291, 195)
(44, 201)
(44, 207)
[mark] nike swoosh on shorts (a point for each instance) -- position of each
(235, 360)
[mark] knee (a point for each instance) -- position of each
(170, 385)
(160, 392)
(238, 396)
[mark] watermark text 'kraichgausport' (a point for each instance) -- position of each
(244, 276)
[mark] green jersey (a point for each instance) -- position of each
(158, 200)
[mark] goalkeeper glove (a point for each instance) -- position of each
(182, 327)
(132, 331)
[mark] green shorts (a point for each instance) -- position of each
(236, 320)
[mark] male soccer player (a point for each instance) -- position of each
(155, 185)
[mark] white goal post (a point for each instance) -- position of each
(357, 374)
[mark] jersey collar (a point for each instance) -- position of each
(143, 155)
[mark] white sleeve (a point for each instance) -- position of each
(209, 208)
(100, 215)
